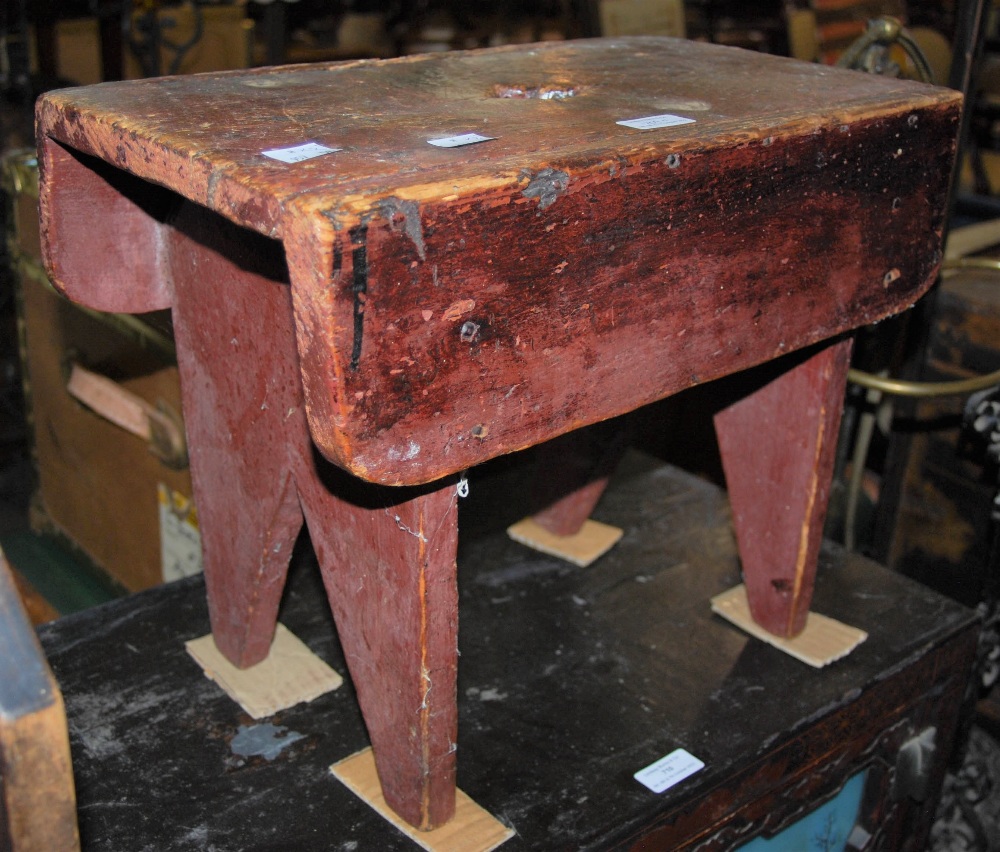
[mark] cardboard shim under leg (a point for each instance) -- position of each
(821, 642)
(593, 540)
(289, 675)
(471, 829)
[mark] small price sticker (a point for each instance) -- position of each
(298, 153)
(669, 770)
(652, 122)
(459, 141)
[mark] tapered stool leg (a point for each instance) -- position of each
(387, 554)
(777, 447)
(388, 562)
(573, 472)
(243, 411)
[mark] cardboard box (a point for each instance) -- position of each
(107, 491)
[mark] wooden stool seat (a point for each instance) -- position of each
(348, 275)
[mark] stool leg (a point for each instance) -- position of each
(388, 562)
(243, 410)
(573, 472)
(387, 554)
(246, 547)
(777, 447)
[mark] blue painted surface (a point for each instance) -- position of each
(826, 829)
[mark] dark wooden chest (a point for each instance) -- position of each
(571, 682)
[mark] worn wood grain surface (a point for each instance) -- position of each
(452, 305)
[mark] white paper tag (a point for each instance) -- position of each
(459, 141)
(651, 122)
(669, 770)
(180, 538)
(298, 153)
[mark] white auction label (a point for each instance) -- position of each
(669, 770)
(651, 122)
(298, 153)
(459, 141)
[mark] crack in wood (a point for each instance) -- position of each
(359, 287)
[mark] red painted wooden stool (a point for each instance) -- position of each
(408, 309)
